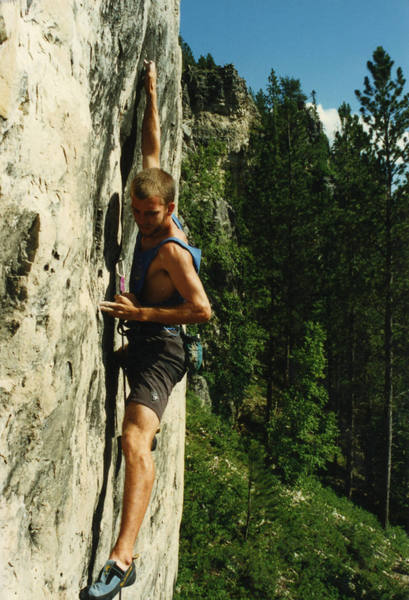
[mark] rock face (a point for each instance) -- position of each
(216, 105)
(71, 106)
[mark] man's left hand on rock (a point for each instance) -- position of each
(125, 307)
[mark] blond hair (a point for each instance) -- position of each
(153, 182)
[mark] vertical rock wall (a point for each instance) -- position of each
(71, 106)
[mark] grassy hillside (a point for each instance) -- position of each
(246, 536)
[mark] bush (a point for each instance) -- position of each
(245, 536)
(301, 434)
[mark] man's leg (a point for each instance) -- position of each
(139, 428)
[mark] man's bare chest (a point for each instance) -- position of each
(158, 286)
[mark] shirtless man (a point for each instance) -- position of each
(165, 291)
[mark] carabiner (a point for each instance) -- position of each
(121, 275)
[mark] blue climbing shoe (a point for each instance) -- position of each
(111, 580)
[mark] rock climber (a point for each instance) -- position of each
(165, 292)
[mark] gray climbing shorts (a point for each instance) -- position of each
(154, 362)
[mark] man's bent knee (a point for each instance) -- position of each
(140, 426)
(135, 444)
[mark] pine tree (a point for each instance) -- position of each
(284, 192)
(187, 54)
(302, 433)
(385, 110)
(351, 260)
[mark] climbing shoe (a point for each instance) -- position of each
(111, 580)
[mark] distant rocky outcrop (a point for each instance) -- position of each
(216, 105)
(71, 106)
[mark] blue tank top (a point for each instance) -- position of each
(143, 258)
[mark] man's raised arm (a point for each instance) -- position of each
(150, 125)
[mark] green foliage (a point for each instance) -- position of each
(280, 212)
(203, 182)
(353, 258)
(231, 338)
(187, 54)
(385, 109)
(206, 62)
(215, 509)
(316, 234)
(246, 536)
(301, 433)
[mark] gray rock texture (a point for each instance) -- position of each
(216, 106)
(71, 106)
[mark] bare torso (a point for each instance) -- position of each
(158, 286)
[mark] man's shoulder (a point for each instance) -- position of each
(174, 252)
(173, 247)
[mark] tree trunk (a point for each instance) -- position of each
(290, 267)
(388, 391)
(351, 409)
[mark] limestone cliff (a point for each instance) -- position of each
(218, 106)
(71, 105)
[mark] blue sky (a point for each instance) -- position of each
(324, 43)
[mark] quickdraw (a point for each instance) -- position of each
(120, 276)
(120, 285)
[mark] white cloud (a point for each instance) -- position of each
(331, 122)
(330, 119)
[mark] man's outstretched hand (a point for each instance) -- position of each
(150, 76)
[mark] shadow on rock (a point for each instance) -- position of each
(111, 255)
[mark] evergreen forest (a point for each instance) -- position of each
(297, 481)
